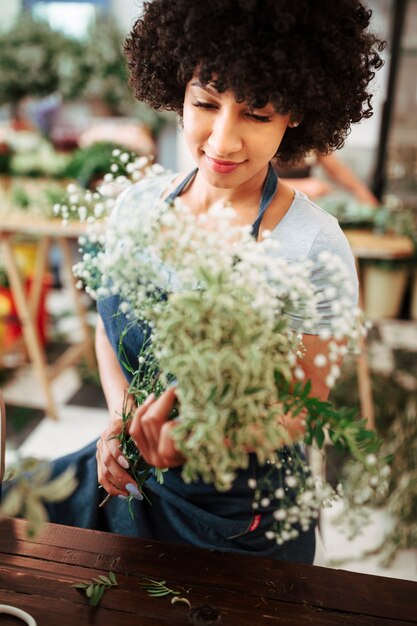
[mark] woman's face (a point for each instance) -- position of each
(230, 142)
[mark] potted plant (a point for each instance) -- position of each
(384, 280)
(32, 58)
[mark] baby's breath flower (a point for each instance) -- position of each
(320, 360)
(217, 304)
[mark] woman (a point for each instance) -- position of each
(252, 80)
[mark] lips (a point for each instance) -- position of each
(222, 167)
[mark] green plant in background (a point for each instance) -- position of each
(36, 201)
(36, 61)
(390, 217)
(20, 197)
(6, 154)
(103, 56)
(108, 76)
(29, 60)
(38, 159)
(4, 280)
(87, 165)
(395, 397)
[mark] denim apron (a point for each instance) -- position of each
(194, 514)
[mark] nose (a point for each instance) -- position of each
(225, 138)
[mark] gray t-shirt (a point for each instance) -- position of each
(304, 232)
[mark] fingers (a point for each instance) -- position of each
(149, 418)
(169, 455)
(111, 465)
(151, 431)
(143, 407)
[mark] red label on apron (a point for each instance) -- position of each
(255, 522)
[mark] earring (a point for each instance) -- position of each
(294, 124)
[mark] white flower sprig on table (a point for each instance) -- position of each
(218, 307)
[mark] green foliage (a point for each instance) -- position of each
(216, 326)
(31, 487)
(30, 55)
(158, 589)
(6, 155)
(39, 159)
(95, 588)
(345, 430)
(395, 397)
(106, 66)
(90, 163)
(36, 61)
(391, 217)
(35, 197)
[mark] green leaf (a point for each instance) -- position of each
(60, 488)
(12, 503)
(94, 590)
(104, 579)
(158, 592)
(251, 390)
(212, 394)
(89, 591)
(96, 596)
(319, 435)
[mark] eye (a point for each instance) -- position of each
(204, 105)
(260, 118)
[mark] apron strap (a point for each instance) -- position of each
(269, 190)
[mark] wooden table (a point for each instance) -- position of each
(43, 232)
(36, 576)
(366, 244)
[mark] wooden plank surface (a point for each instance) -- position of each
(37, 576)
(12, 223)
(368, 245)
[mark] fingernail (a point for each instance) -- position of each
(149, 399)
(134, 491)
(173, 384)
(123, 461)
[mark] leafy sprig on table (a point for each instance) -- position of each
(158, 589)
(95, 588)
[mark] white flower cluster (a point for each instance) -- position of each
(86, 205)
(221, 307)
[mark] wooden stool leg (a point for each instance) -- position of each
(38, 275)
(365, 388)
(79, 307)
(363, 371)
(29, 328)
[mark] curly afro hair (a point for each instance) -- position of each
(313, 59)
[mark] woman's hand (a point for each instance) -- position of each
(111, 464)
(151, 431)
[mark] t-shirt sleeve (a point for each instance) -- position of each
(329, 248)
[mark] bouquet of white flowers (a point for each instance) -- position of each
(218, 307)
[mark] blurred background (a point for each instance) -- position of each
(65, 107)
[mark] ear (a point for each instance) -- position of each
(294, 124)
